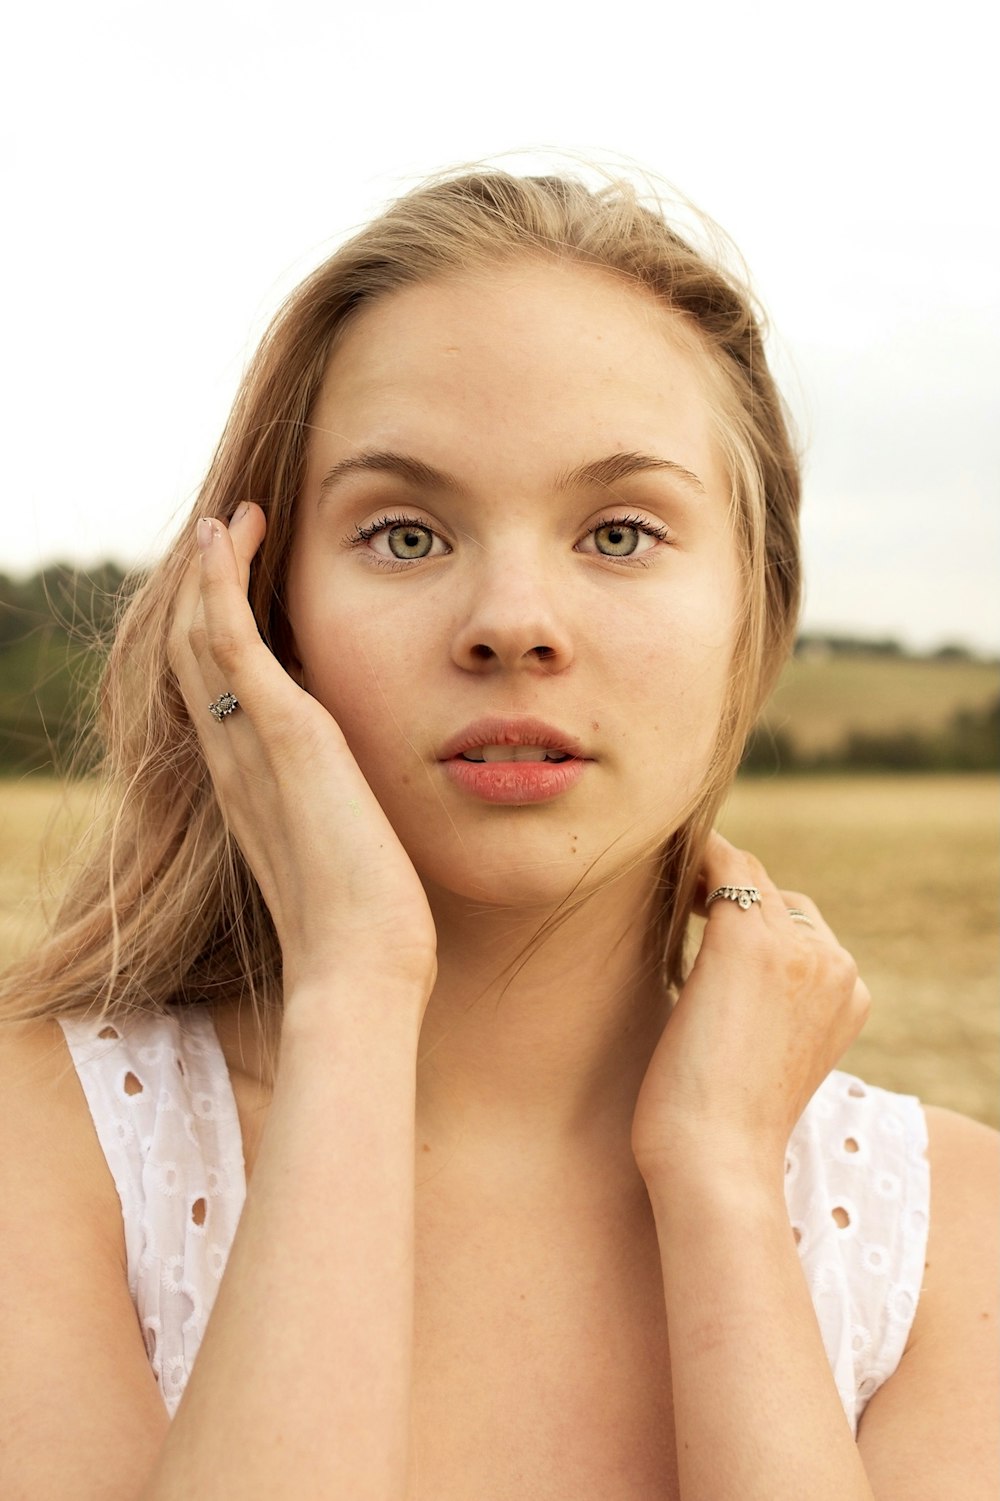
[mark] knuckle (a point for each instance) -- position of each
(225, 648)
(197, 636)
(845, 967)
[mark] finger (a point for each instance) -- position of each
(812, 919)
(226, 643)
(723, 866)
(246, 531)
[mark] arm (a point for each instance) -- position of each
(756, 1409)
(302, 1385)
(768, 1009)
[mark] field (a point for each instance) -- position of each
(820, 697)
(904, 869)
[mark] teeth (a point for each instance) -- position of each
(513, 753)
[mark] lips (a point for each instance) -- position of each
(497, 730)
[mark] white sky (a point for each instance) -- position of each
(171, 171)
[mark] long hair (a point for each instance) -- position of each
(163, 909)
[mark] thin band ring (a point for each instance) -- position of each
(797, 915)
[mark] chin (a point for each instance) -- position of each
(534, 874)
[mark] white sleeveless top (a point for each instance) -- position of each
(857, 1186)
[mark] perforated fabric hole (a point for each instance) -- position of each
(902, 1304)
(132, 1084)
(851, 1145)
(856, 1090)
(109, 1033)
(198, 1209)
(841, 1218)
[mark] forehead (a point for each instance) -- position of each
(525, 356)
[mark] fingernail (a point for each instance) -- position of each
(206, 531)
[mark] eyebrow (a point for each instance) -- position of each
(607, 471)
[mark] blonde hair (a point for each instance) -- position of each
(164, 910)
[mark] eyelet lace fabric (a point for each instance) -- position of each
(165, 1115)
(857, 1188)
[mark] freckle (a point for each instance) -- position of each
(594, 725)
(427, 1146)
(405, 779)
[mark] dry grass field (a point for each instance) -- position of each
(819, 698)
(905, 870)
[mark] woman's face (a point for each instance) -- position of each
(514, 510)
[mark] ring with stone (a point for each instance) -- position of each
(743, 896)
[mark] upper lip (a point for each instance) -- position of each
(510, 730)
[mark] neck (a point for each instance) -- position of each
(537, 1041)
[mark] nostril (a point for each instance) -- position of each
(543, 652)
(483, 652)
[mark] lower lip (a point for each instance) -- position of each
(515, 781)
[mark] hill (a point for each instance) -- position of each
(825, 698)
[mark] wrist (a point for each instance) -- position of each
(718, 1174)
(351, 1003)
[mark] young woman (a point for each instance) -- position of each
(366, 1132)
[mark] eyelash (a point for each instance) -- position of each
(362, 534)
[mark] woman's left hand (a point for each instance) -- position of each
(769, 1007)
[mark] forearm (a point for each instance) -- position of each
(302, 1384)
(757, 1412)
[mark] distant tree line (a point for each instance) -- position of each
(54, 626)
(52, 630)
(818, 644)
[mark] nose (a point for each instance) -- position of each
(512, 622)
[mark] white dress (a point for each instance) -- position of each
(857, 1186)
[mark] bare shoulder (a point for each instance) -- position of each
(80, 1414)
(931, 1430)
(964, 1158)
(963, 1245)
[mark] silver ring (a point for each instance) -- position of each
(226, 703)
(744, 896)
(797, 915)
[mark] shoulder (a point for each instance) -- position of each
(964, 1239)
(50, 1143)
(80, 1413)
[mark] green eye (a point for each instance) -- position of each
(616, 540)
(409, 541)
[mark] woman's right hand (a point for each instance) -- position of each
(342, 891)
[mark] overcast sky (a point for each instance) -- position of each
(171, 172)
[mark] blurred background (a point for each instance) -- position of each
(169, 176)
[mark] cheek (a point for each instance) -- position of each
(371, 680)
